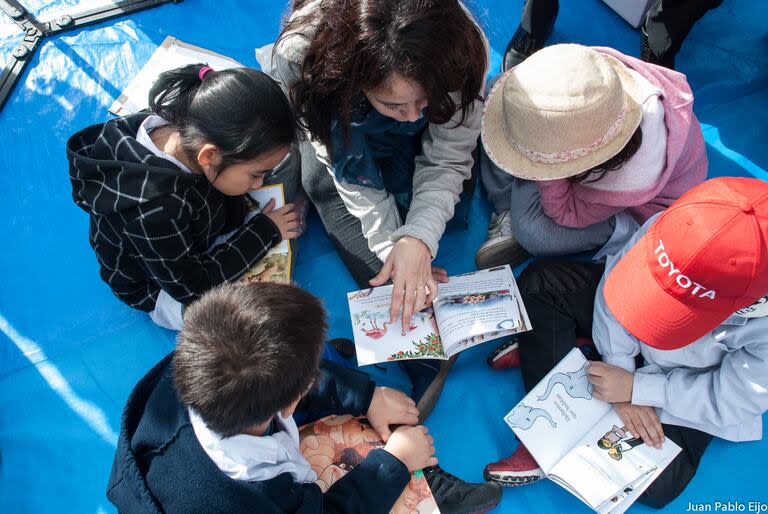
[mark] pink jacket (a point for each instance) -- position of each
(578, 205)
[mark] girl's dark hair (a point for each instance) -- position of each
(241, 110)
(614, 163)
(358, 43)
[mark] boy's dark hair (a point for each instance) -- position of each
(241, 110)
(246, 352)
(614, 163)
(358, 43)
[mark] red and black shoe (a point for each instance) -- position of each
(520, 468)
(505, 356)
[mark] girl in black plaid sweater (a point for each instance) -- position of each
(161, 185)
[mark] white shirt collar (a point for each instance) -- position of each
(142, 136)
(255, 458)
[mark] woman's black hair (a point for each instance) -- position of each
(241, 110)
(614, 163)
(356, 45)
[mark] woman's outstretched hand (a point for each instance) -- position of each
(414, 280)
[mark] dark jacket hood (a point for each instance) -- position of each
(111, 171)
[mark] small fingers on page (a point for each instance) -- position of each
(653, 428)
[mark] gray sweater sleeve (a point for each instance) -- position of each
(441, 168)
(723, 395)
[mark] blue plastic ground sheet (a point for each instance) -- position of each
(70, 352)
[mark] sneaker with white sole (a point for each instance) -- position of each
(520, 468)
(500, 246)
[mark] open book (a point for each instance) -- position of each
(334, 445)
(581, 443)
(276, 266)
(171, 54)
(468, 310)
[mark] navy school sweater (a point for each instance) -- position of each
(160, 466)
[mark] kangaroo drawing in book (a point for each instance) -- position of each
(524, 417)
(576, 384)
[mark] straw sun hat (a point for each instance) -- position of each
(562, 111)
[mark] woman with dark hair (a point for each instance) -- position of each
(389, 92)
(161, 186)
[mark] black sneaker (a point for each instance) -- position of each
(520, 47)
(455, 496)
(539, 17)
(647, 54)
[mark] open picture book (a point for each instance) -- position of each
(171, 54)
(334, 445)
(469, 309)
(276, 266)
(581, 443)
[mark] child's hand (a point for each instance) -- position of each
(286, 219)
(642, 421)
(412, 446)
(611, 383)
(391, 407)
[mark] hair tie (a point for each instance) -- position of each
(203, 72)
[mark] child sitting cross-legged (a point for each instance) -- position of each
(212, 428)
(679, 321)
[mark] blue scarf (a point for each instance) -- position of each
(378, 152)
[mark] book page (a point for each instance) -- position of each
(621, 501)
(608, 460)
(276, 266)
(378, 340)
(171, 54)
(261, 197)
(556, 414)
(624, 499)
(476, 307)
(334, 445)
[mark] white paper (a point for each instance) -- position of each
(608, 459)
(276, 265)
(556, 414)
(625, 498)
(468, 310)
(581, 443)
(171, 54)
(476, 307)
(378, 340)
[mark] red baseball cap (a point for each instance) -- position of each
(701, 260)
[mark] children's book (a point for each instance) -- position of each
(334, 445)
(171, 54)
(277, 265)
(581, 443)
(468, 310)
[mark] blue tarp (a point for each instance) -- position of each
(70, 352)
